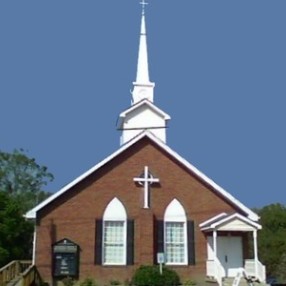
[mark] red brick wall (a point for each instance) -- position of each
(74, 213)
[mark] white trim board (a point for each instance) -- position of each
(31, 214)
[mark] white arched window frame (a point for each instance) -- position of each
(175, 234)
(114, 234)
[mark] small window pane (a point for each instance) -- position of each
(175, 242)
(113, 242)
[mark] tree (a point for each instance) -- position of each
(23, 179)
(21, 188)
(15, 232)
(272, 239)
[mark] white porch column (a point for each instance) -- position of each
(215, 243)
(255, 251)
(217, 267)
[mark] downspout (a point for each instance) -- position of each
(34, 245)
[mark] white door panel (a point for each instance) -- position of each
(229, 253)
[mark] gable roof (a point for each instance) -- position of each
(219, 190)
(149, 104)
(224, 219)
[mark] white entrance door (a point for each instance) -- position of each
(229, 253)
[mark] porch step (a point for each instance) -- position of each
(229, 281)
(242, 282)
(210, 281)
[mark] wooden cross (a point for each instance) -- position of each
(146, 179)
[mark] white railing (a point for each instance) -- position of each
(219, 274)
(239, 275)
(249, 266)
(210, 268)
(214, 270)
(255, 269)
(261, 272)
(251, 269)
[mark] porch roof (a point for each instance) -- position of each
(229, 222)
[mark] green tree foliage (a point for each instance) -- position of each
(15, 232)
(21, 183)
(23, 179)
(272, 239)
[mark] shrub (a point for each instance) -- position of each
(151, 276)
(189, 282)
(114, 282)
(88, 282)
(127, 282)
(68, 281)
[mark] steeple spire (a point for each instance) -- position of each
(143, 115)
(143, 88)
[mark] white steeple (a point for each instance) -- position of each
(143, 88)
(143, 114)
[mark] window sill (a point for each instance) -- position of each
(113, 265)
(177, 264)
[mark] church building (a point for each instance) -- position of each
(142, 205)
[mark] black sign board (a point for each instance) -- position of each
(65, 259)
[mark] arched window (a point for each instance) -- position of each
(114, 234)
(175, 234)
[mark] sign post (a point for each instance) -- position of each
(161, 260)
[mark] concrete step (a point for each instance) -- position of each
(242, 282)
(210, 282)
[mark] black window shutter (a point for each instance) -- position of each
(191, 243)
(160, 236)
(130, 242)
(98, 242)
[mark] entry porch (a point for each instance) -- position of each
(227, 245)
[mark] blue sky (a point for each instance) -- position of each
(66, 68)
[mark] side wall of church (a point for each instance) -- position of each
(73, 215)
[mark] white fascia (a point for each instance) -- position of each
(251, 215)
(215, 218)
(230, 218)
(145, 102)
